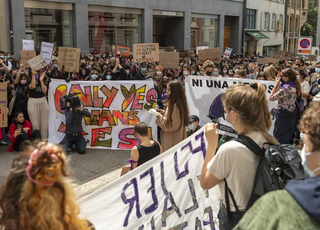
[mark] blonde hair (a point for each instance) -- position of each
(251, 105)
(207, 64)
(271, 72)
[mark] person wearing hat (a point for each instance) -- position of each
(193, 126)
(141, 74)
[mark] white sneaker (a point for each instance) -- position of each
(3, 142)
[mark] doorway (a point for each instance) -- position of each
(226, 38)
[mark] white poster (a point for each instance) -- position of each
(46, 51)
(115, 107)
(27, 45)
(227, 53)
(204, 100)
(164, 193)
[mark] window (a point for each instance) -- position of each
(281, 22)
(211, 35)
(251, 19)
(212, 21)
(266, 21)
(273, 22)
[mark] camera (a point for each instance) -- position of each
(73, 99)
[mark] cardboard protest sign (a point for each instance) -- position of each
(125, 51)
(184, 54)
(70, 58)
(3, 105)
(37, 62)
(204, 99)
(169, 60)
(166, 49)
(146, 52)
(213, 54)
(163, 193)
(27, 45)
(26, 56)
(283, 54)
(115, 107)
(267, 60)
(202, 48)
(227, 53)
(46, 51)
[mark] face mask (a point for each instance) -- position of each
(209, 73)
(215, 73)
(23, 82)
(91, 58)
(55, 66)
(143, 69)
(108, 77)
(231, 125)
(8, 56)
(149, 79)
(89, 66)
(127, 71)
(2, 57)
(191, 127)
(83, 65)
(305, 165)
(225, 71)
(158, 73)
(298, 77)
(193, 72)
(181, 64)
(185, 72)
(150, 70)
(94, 76)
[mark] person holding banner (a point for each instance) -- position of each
(175, 117)
(234, 166)
(208, 68)
(285, 91)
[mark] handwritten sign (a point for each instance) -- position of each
(146, 52)
(227, 53)
(46, 51)
(202, 48)
(267, 60)
(169, 60)
(166, 48)
(70, 58)
(3, 105)
(37, 62)
(27, 45)
(122, 50)
(26, 56)
(213, 54)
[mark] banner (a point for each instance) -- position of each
(204, 100)
(125, 51)
(27, 45)
(146, 52)
(37, 62)
(115, 107)
(3, 105)
(169, 60)
(26, 56)
(70, 58)
(46, 51)
(213, 54)
(164, 193)
(227, 53)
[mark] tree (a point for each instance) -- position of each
(310, 27)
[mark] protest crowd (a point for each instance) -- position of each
(37, 194)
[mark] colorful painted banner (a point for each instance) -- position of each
(115, 107)
(204, 100)
(164, 193)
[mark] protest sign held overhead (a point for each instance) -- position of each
(26, 56)
(166, 48)
(37, 62)
(164, 193)
(202, 48)
(213, 54)
(227, 53)
(46, 51)
(70, 58)
(121, 50)
(146, 52)
(27, 45)
(267, 60)
(3, 105)
(184, 54)
(115, 108)
(169, 60)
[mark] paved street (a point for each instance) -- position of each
(90, 166)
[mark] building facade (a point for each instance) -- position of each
(101, 25)
(264, 26)
(297, 12)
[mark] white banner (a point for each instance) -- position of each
(164, 193)
(115, 107)
(46, 51)
(204, 99)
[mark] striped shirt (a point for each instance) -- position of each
(286, 98)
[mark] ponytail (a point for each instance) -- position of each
(298, 86)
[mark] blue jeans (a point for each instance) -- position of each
(74, 138)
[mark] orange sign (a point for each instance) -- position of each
(122, 50)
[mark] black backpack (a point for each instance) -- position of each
(278, 164)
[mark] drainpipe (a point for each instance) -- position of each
(285, 26)
(244, 22)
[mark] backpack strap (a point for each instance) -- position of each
(227, 193)
(250, 144)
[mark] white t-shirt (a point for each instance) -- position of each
(238, 165)
(305, 88)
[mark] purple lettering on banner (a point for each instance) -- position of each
(167, 211)
(131, 200)
(176, 168)
(202, 148)
(193, 197)
(210, 222)
(198, 225)
(141, 227)
(180, 226)
(154, 206)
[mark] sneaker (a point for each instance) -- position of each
(3, 142)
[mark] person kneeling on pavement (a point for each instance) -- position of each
(20, 130)
(74, 113)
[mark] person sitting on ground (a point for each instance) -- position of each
(20, 130)
(194, 126)
(146, 150)
(37, 193)
(297, 206)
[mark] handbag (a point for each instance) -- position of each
(227, 219)
(13, 100)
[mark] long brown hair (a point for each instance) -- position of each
(178, 98)
(250, 103)
(291, 74)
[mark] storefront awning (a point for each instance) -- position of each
(257, 35)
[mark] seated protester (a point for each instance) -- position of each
(149, 77)
(215, 71)
(186, 71)
(107, 75)
(208, 68)
(118, 73)
(141, 73)
(94, 74)
(84, 71)
(159, 71)
(297, 206)
(39, 181)
(146, 150)
(127, 68)
(193, 70)
(262, 76)
(232, 73)
(224, 72)
(104, 69)
(194, 126)
(20, 130)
